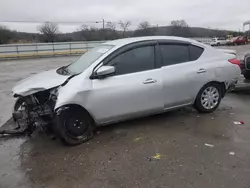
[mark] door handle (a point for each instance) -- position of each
(149, 81)
(201, 71)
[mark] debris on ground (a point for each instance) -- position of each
(138, 139)
(156, 157)
(209, 145)
(231, 153)
(239, 123)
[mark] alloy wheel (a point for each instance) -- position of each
(210, 97)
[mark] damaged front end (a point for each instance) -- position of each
(33, 110)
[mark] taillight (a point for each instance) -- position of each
(235, 61)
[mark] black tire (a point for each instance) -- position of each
(69, 120)
(247, 75)
(198, 104)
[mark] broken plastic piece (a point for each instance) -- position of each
(231, 153)
(209, 145)
(157, 156)
(239, 122)
(138, 139)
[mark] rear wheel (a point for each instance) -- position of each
(209, 98)
(74, 126)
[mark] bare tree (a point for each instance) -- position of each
(179, 23)
(90, 33)
(49, 30)
(111, 25)
(5, 34)
(144, 25)
(180, 28)
(144, 29)
(124, 25)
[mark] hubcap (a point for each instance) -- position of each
(76, 126)
(210, 97)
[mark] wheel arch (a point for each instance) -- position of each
(76, 107)
(221, 84)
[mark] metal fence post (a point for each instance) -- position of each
(53, 49)
(70, 49)
(17, 51)
(36, 50)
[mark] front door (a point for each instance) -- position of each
(134, 90)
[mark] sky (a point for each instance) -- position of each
(216, 14)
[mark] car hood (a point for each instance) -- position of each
(39, 82)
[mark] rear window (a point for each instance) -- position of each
(195, 52)
(174, 54)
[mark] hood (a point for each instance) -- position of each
(39, 82)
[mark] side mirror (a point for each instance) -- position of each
(103, 72)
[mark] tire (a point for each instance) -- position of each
(247, 75)
(74, 126)
(207, 107)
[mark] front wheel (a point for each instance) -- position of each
(209, 98)
(74, 126)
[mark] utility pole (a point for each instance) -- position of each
(103, 28)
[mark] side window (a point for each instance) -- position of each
(195, 52)
(174, 54)
(135, 60)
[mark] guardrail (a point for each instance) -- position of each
(11, 51)
(33, 50)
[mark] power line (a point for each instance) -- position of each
(59, 22)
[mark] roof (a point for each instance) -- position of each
(121, 42)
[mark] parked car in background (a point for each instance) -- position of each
(125, 79)
(217, 41)
(245, 66)
(239, 41)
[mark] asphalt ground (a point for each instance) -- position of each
(176, 149)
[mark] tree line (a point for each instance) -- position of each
(50, 32)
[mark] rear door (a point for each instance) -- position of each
(182, 73)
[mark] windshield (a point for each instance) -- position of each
(87, 59)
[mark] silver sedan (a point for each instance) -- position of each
(125, 79)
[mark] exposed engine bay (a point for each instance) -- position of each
(33, 110)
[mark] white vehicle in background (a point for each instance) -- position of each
(217, 41)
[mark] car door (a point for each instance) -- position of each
(182, 75)
(134, 90)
